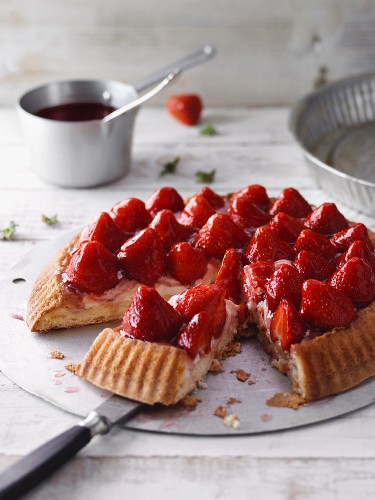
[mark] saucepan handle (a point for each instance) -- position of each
(198, 57)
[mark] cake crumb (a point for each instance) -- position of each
(190, 402)
(220, 412)
(286, 400)
(72, 367)
(242, 376)
(232, 401)
(232, 421)
(250, 382)
(55, 354)
(201, 384)
(216, 366)
(232, 350)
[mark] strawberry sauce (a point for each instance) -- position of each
(76, 112)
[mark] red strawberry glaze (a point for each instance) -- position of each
(169, 230)
(130, 215)
(195, 337)
(246, 214)
(326, 219)
(185, 263)
(229, 276)
(215, 200)
(316, 243)
(256, 194)
(287, 228)
(287, 326)
(285, 283)
(357, 249)
(267, 246)
(105, 231)
(358, 232)
(291, 202)
(313, 266)
(196, 212)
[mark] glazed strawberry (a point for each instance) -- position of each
(246, 214)
(218, 234)
(143, 257)
(287, 326)
(267, 246)
(313, 266)
(255, 277)
(203, 297)
(345, 238)
(186, 108)
(357, 249)
(196, 212)
(256, 194)
(323, 307)
(130, 215)
(92, 268)
(356, 280)
(229, 276)
(195, 337)
(150, 317)
(285, 283)
(287, 228)
(213, 198)
(291, 202)
(316, 243)
(326, 219)
(185, 263)
(168, 229)
(104, 230)
(165, 197)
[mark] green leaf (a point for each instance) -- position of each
(170, 167)
(205, 177)
(50, 221)
(208, 129)
(9, 232)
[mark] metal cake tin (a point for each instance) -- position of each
(335, 128)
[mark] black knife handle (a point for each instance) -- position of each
(30, 470)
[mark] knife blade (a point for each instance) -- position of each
(32, 469)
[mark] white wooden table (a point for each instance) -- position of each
(335, 459)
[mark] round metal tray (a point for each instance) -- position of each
(335, 127)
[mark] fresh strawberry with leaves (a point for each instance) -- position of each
(326, 219)
(92, 268)
(313, 266)
(165, 197)
(104, 230)
(185, 263)
(291, 202)
(218, 234)
(323, 307)
(200, 298)
(357, 249)
(287, 326)
(130, 215)
(195, 337)
(256, 194)
(229, 276)
(267, 246)
(246, 214)
(143, 257)
(316, 243)
(285, 283)
(196, 212)
(170, 231)
(287, 228)
(254, 279)
(356, 280)
(186, 108)
(345, 238)
(213, 198)
(150, 317)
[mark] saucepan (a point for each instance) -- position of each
(81, 132)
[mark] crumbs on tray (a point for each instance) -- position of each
(232, 350)
(55, 354)
(72, 367)
(190, 402)
(216, 366)
(242, 376)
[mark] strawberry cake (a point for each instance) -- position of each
(187, 277)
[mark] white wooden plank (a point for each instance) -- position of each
(269, 51)
(208, 478)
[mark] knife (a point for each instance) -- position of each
(30, 470)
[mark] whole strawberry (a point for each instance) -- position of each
(186, 108)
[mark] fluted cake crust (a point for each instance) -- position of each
(148, 372)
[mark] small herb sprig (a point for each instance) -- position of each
(205, 177)
(170, 167)
(50, 221)
(8, 233)
(208, 129)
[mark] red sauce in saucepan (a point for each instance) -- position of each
(76, 111)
